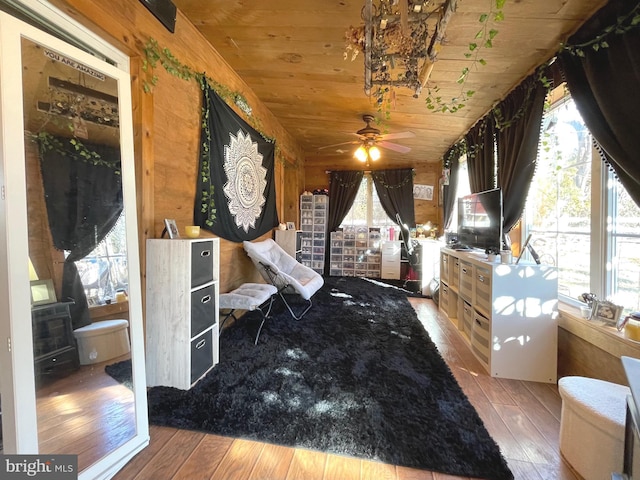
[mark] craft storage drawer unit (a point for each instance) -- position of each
(313, 223)
(467, 318)
(181, 313)
(390, 259)
(481, 339)
(466, 280)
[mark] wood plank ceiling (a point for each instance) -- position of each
(291, 54)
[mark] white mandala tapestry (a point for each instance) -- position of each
(246, 180)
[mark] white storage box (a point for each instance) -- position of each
(592, 425)
(102, 341)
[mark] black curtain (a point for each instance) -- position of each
(604, 82)
(449, 191)
(83, 196)
(480, 155)
(395, 190)
(518, 120)
(343, 188)
(235, 193)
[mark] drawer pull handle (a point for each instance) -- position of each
(205, 299)
(464, 270)
(205, 253)
(481, 278)
(201, 344)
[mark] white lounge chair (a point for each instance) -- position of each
(283, 271)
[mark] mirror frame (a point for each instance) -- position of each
(17, 383)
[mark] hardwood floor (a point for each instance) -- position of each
(523, 418)
(86, 413)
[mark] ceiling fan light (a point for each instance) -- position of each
(374, 153)
(361, 153)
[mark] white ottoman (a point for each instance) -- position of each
(592, 425)
(102, 341)
(248, 296)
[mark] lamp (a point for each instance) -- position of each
(374, 153)
(366, 152)
(361, 153)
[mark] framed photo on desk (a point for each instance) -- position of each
(42, 292)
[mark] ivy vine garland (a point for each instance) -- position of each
(74, 149)
(208, 202)
(155, 54)
(623, 24)
(482, 40)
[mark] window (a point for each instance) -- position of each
(104, 270)
(462, 189)
(366, 209)
(580, 217)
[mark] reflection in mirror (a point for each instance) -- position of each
(77, 243)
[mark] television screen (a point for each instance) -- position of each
(480, 220)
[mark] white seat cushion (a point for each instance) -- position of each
(248, 296)
(289, 272)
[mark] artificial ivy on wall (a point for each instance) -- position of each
(622, 25)
(482, 40)
(155, 54)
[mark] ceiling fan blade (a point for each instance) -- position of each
(391, 136)
(352, 142)
(394, 146)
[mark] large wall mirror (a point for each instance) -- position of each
(70, 267)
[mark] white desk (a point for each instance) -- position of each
(391, 259)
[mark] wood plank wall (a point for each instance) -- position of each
(425, 174)
(166, 129)
(167, 124)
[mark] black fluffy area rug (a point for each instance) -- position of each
(357, 376)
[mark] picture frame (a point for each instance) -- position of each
(42, 292)
(606, 311)
(291, 226)
(171, 228)
(423, 192)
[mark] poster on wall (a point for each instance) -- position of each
(423, 192)
(235, 195)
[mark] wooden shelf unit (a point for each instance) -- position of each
(182, 313)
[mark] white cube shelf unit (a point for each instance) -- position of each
(182, 310)
(506, 313)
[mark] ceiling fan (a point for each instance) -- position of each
(371, 138)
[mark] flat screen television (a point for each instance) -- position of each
(480, 220)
